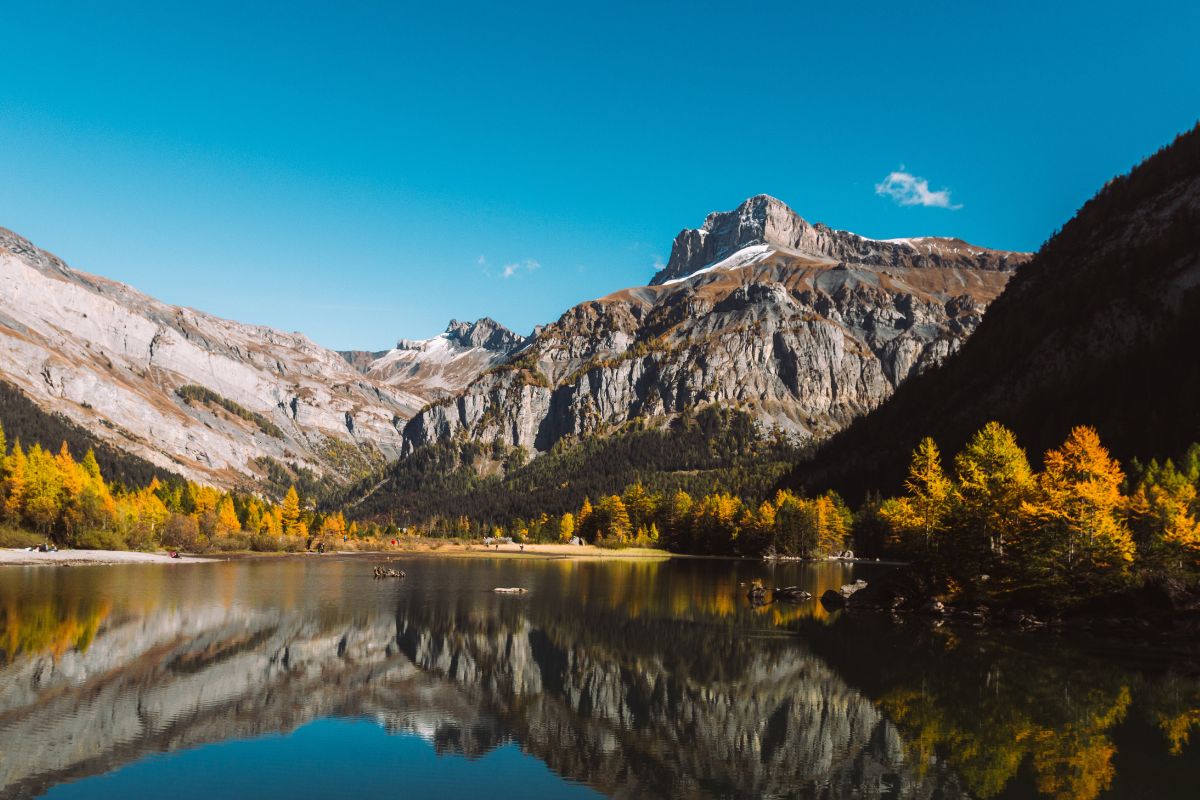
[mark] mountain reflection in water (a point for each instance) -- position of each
(637, 679)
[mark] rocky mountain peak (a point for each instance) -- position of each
(484, 333)
(765, 220)
(762, 219)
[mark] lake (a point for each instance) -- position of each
(308, 678)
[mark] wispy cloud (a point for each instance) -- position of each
(909, 190)
(516, 268)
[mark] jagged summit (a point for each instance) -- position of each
(765, 220)
(485, 333)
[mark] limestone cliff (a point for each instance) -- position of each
(804, 326)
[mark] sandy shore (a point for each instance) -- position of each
(425, 547)
(17, 557)
(432, 547)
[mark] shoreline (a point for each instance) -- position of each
(20, 557)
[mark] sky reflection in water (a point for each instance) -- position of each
(306, 677)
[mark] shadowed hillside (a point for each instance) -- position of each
(1100, 328)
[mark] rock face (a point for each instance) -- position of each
(112, 359)
(804, 326)
(437, 367)
(765, 220)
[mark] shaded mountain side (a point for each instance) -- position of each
(24, 420)
(1100, 328)
(715, 450)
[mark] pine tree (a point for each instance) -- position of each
(833, 523)
(1165, 517)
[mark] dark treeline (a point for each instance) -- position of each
(23, 420)
(465, 486)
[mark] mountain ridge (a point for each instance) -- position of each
(807, 341)
(765, 220)
(119, 363)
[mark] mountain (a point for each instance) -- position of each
(436, 367)
(803, 326)
(602, 699)
(764, 220)
(1100, 328)
(210, 399)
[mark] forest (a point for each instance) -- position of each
(1080, 527)
(466, 487)
(51, 497)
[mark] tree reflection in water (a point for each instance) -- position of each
(637, 678)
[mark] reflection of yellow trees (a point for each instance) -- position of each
(641, 588)
(1176, 710)
(52, 626)
(987, 742)
(1178, 728)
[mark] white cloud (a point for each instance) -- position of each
(527, 266)
(909, 190)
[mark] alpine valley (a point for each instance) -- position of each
(803, 327)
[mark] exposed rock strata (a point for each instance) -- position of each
(111, 359)
(627, 724)
(805, 327)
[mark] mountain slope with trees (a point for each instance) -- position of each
(1099, 329)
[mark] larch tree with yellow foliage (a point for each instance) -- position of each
(290, 519)
(994, 479)
(918, 520)
(227, 520)
(566, 527)
(1074, 531)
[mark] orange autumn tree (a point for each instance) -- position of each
(1075, 533)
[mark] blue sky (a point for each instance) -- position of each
(366, 171)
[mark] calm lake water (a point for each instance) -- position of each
(306, 678)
